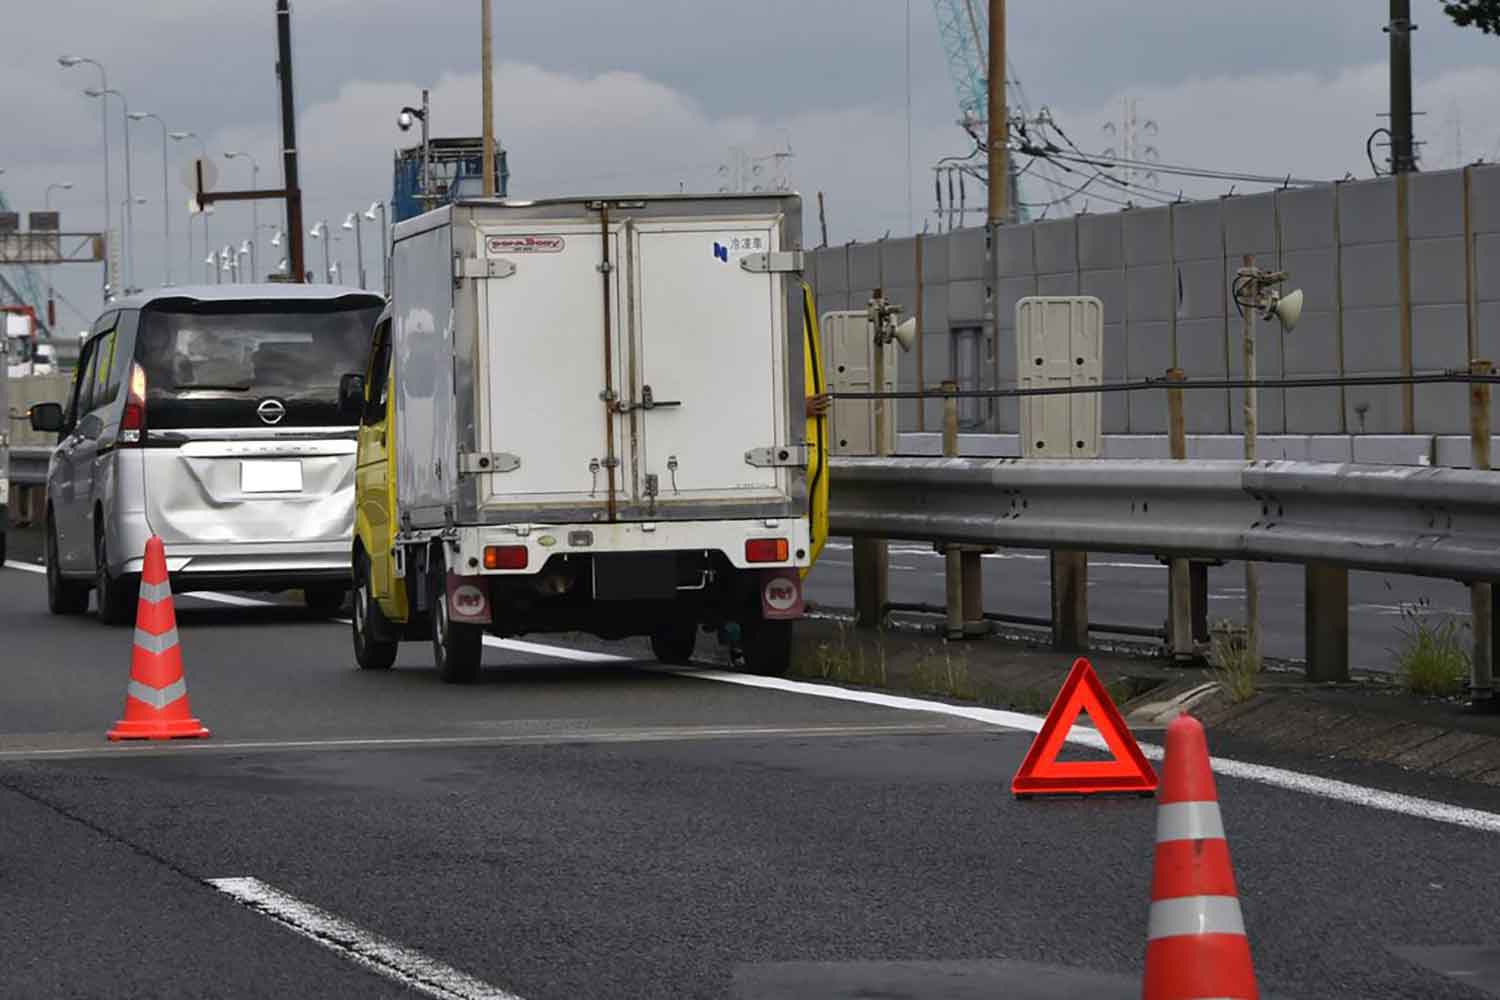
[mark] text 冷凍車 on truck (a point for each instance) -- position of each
(590, 415)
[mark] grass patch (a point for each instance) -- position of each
(845, 662)
(1235, 668)
(1432, 659)
(943, 674)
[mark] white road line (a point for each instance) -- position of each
(26, 567)
(1308, 784)
(557, 652)
(384, 957)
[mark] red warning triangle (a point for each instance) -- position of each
(1042, 773)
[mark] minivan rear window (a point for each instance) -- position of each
(216, 365)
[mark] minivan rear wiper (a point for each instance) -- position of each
(213, 388)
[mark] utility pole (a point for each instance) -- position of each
(487, 68)
(295, 261)
(999, 119)
(1251, 419)
(1403, 154)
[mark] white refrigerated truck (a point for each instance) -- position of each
(589, 414)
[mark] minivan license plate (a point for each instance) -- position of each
(271, 477)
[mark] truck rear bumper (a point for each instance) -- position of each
(542, 542)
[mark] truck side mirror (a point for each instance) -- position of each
(351, 395)
(46, 417)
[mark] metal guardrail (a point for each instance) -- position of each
(1422, 521)
(28, 466)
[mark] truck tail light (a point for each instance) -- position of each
(133, 423)
(767, 550)
(505, 557)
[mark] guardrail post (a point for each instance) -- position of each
(1179, 586)
(1481, 593)
(1070, 601)
(1326, 629)
(872, 581)
(954, 581)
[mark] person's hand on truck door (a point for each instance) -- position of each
(817, 406)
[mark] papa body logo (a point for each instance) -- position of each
(781, 593)
(468, 600)
(523, 244)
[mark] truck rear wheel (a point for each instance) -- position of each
(768, 648)
(674, 644)
(457, 649)
(371, 650)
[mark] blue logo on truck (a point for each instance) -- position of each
(721, 251)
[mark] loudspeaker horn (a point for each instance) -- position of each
(1289, 310)
(906, 333)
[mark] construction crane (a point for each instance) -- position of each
(964, 27)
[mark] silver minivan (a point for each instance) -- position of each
(212, 417)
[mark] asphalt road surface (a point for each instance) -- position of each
(1132, 590)
(580, 825)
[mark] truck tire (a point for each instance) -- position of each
(456, 649)
(115, 597)
(767, 647)
(674, 644)
(64, 596)
(371, 651)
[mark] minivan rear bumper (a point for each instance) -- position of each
(236, 565)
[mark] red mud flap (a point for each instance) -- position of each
(781, 595)
(468, 600)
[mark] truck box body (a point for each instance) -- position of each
(616, 363)
(589, 414)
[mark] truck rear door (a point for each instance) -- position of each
(709, 378)
(541, 356)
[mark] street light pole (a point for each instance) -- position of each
(352, 222)
(254, 204)
(385, 250)
(70, 61)
(320, 232)
(129, 219)
(166, 210)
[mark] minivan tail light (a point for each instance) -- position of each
(133, 423)
(766, 550)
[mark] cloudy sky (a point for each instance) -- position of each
(653, 95)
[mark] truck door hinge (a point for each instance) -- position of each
(780, 262)
(481, 267)
(471, 463)
(787, 455)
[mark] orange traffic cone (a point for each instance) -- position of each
(1196, 945)
(156, 701)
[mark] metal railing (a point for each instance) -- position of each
(1403, 519)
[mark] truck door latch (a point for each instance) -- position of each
(648, 402)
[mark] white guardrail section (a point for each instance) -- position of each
(1422, 521)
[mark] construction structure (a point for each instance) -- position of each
(454, 167)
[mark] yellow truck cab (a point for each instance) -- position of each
(590, 415)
